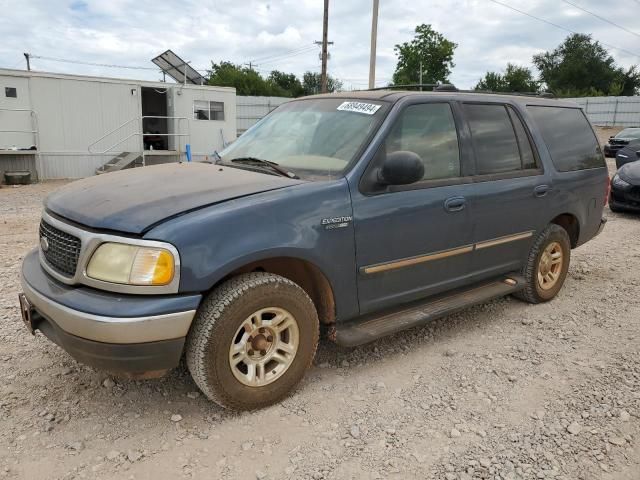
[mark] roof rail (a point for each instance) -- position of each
(448, 87)
(432, 86)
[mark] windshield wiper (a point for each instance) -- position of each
(272, 165)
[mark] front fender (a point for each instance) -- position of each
(283, 223)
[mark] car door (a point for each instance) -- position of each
(414, 241)
(510, 198)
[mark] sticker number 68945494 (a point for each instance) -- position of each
(359, 107)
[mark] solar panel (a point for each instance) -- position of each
(178, 69)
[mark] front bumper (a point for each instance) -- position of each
(626, 200)
(130, 334)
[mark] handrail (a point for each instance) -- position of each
(92, 145)
(35, 132)
(34, 124)
(141, 119)
(109, 133)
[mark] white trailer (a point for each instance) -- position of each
(70, 126)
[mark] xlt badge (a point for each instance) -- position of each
(336, 222)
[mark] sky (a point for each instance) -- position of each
(280, 34)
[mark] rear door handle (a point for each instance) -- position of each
(455, 204)
(541, 190)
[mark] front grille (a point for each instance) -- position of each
(62, 250)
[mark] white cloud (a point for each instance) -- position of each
(129, 32)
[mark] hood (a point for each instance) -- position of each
(133, 200)
(630, 172)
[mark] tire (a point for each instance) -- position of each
(252, 312)
(552, 239)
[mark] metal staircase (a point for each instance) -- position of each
(120, 162)
(137, 158)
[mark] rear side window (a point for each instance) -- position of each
(569, 138)
(496, 146)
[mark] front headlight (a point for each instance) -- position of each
(131, 264)
(620, 183)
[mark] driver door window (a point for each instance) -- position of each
(429, 131)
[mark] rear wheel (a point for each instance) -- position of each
(547, 265)
(252, 341)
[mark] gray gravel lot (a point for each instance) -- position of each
(503, 390)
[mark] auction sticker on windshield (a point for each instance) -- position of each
(359, 107)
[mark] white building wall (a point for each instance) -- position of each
(73, 114)
(206, 135)
(13, 120)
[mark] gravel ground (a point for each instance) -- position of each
(503, 390)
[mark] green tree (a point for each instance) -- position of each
(581, 66)
(431, 49)
(245, 80)
(311, 83)
(287, 83)
(514, 79)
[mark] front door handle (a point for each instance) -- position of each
(455, 204)
(541, 190)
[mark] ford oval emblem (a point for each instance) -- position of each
(44, 244)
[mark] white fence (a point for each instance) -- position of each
(611, 111)
(251, 109)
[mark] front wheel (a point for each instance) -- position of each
(252, 341)
(547, 265)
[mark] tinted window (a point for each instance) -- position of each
(526, 152)
(429, 131)
(569, 138)
(494, 140)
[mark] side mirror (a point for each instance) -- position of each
(401, 168)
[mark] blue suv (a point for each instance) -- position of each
(359, 214)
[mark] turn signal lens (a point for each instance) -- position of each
(131, 265)
(152, 267)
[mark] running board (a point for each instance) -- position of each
(372, 327)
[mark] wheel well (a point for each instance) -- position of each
(571, 225)
(305, 274)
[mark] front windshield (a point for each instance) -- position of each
(315, 139)
(629, 133)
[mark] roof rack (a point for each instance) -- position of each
(448, 87)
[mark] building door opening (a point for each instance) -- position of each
(154, 104)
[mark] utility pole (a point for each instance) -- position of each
(420, 75)
(27, 56)
(325, 28)
(374, 39)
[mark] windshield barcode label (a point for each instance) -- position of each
(359, 107)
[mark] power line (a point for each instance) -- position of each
(602, 18)
(79, 62)
(283, 54)
(559, 26)
(277, 60)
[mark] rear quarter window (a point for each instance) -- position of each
(569, 138)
